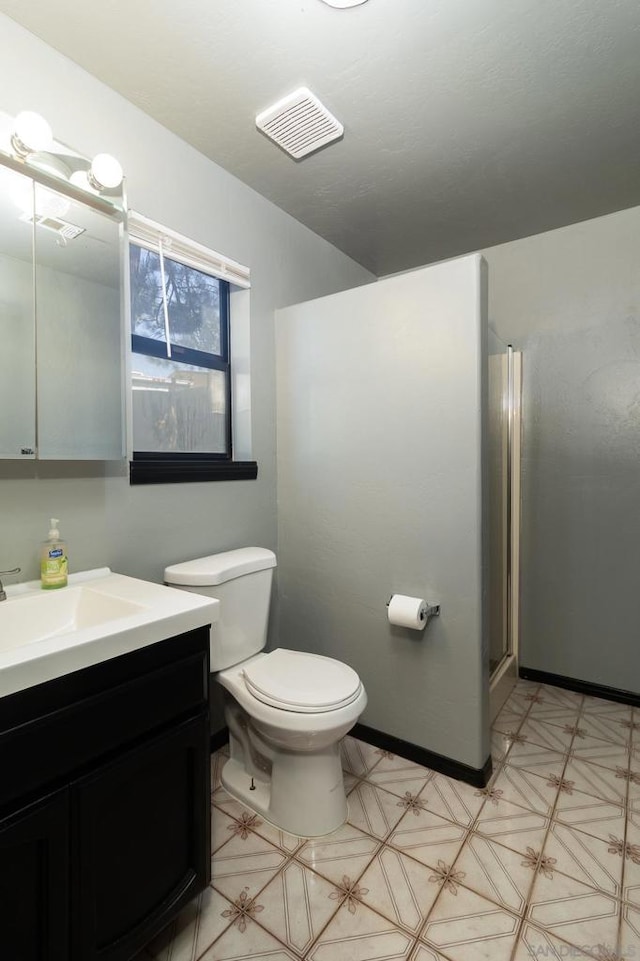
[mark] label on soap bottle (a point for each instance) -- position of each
(53, 568)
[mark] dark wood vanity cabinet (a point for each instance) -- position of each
(104, 804)
(34, 881)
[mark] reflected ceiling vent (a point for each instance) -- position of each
(61, 227)
(299, 124)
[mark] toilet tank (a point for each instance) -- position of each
(241, 581)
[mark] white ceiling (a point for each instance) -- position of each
(467, 122)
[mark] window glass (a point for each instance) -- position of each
(147, 311)
(178, 407)
(181, 378)
(193, 302)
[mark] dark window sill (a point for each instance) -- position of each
(166, 471)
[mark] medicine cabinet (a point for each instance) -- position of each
(61, 340)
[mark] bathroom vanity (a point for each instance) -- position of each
(104, 793)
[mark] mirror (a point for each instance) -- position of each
(78, 330)
(17, 319)
(60, 324)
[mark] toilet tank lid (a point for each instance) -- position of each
(218, 568)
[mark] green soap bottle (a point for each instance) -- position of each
(53, 560)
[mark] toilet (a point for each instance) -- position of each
(286, 711)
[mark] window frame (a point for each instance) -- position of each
(163, 467)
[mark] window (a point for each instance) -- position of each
(181, 398)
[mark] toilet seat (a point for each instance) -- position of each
(301, 682)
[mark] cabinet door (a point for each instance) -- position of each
(141, 843)
(34, 881)
(79, 330)
(17, 317)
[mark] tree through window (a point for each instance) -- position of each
(180, 360)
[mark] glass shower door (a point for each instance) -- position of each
(498, 501)
(504, 516)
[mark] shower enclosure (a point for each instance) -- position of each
(505, 377)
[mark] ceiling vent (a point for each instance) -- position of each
(299, 124)
(61, 227)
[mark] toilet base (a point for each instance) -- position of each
(304, 796)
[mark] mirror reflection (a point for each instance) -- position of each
(60, 319)
(17, 318)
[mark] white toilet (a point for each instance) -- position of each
(286, 711)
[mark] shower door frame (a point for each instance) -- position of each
(505, 675)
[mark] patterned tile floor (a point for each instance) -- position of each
(543, 863)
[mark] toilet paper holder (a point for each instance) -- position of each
(428, 611)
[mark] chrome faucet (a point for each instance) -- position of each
(3, 593)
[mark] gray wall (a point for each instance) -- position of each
(379, 492)
(570, 299)
(138, 530)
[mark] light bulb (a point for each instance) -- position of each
(106, 173)
(31, 134)
(80, 178)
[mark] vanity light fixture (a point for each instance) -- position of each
(31, 134)
(29, 138)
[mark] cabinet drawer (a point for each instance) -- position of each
(70, 738)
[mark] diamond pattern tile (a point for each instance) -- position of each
(599, 782)
(451, 799)
(537, 760)
(399, 888)
(629, 932)
(556, 734)
(297, 905)
(428, 838)
(598, 818)
(399, 776)
(347, 851)
(572, 911)
(358, 757)
(551, 702)
(607, 726)
(496, 872)
(542, 863)
(605, 753)
(591, 860)
(510, 825)
(526, 790)
(630, 856)
(537, 943)
(466, 927)
(373, 810)
(361, 935)
(246, 863)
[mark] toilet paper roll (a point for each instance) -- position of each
(407, 611)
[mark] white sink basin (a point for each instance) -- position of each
(34, 618)
(45, 634)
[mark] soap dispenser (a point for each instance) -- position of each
(53, 559)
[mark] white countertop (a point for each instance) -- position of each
(99, 615)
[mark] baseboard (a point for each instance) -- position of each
(581, 687)
(219, 739)
(477, 777)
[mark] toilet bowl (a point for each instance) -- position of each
(286, 710)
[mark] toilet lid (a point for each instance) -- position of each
(307, 683)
